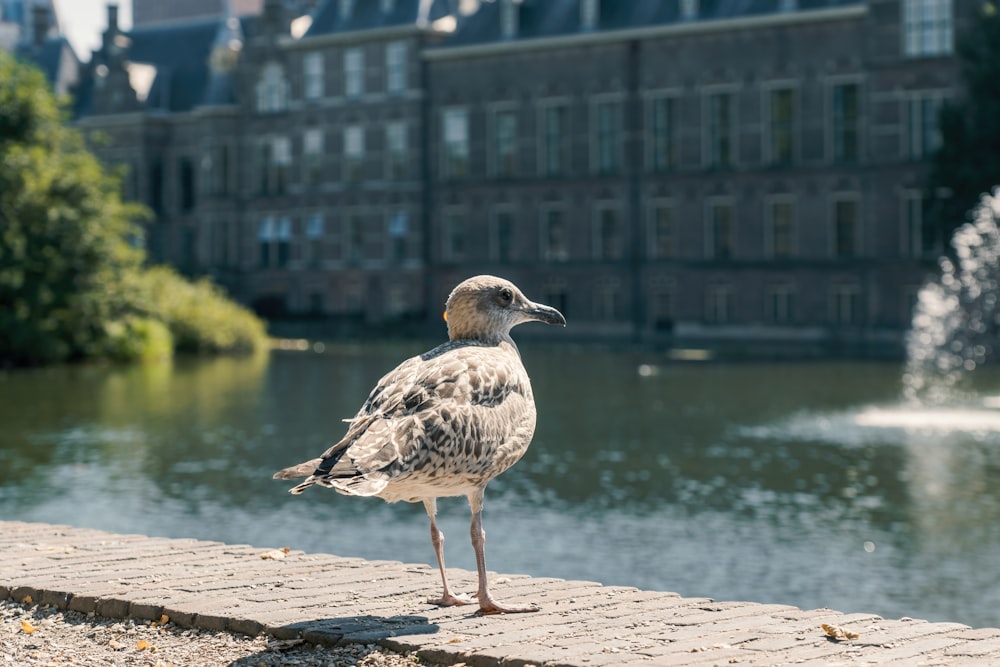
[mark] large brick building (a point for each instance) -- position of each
(672, 169)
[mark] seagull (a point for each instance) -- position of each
(444, 423)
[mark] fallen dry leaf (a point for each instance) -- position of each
(27, 628)
(275, 554)
(143, 645)
(455, 640)
(276, 645)
(26, 599)
(838, 633)
(164, 619)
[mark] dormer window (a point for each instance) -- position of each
(508, 18)
(689, 10)
(927, 27)
(589, 14)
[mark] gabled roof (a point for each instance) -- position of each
(180, 53)
(368, 15)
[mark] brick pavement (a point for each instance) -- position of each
(327, 599)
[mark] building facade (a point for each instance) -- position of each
(667, 171)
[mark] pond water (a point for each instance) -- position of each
(809, 484)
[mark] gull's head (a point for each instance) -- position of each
(487, 308)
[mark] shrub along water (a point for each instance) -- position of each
(72, 279)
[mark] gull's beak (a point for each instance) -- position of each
(540, 313)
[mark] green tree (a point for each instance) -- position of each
(967, 165)
(64, 230)
(72, 280)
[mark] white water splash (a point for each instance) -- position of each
(957, 318)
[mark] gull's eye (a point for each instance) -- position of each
(506, 296)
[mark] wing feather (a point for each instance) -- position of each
(458, 410)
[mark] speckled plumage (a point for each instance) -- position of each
(446, 422)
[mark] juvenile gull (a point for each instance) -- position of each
(444, 423)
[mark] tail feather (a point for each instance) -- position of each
(297, 471)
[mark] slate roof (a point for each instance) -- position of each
(180, 53)
(554, 18)
(368, 15)
(46, 56)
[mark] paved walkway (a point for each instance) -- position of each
(327, 599)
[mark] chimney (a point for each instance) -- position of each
(39, 24)
(589, 14)
(112, 18)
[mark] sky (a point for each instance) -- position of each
(83, 21)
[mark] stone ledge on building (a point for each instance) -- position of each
(326, 599)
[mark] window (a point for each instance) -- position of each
(282, 164)
(846, 122)
(780, 230)
(781, 125)
(662, 303)
(607, 300)
(845, 305)
(312, 70)
(721, 147)
(395, 67)
(266, 232)
(501, 236)
(554, 140)
(312, 148)
(455, 128)
(555, 245)
(284, 241)
(846, 228)
(608, 245)
(315, 233)
(919, 237)
(504, 143)
(399, 226)
(923, 133)
(186, 175)
(395, 150)
(215, 170)
(663, 130)
(454, 236)
(607, 137)
(720, 231)
(927, 27)
(689, 10)
(719, 304)
(272, 89)
(662, 242)
(353, 238)
(780, 305)
(354, 152)
(275, 163)
(354, 72)
(156, 186)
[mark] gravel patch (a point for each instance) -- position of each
(34, 636)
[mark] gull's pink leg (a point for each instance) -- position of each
(487, 605)
(447, 599)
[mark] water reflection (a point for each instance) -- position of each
(805, 484)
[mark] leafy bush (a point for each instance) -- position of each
(138, 339)
(199, 315)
